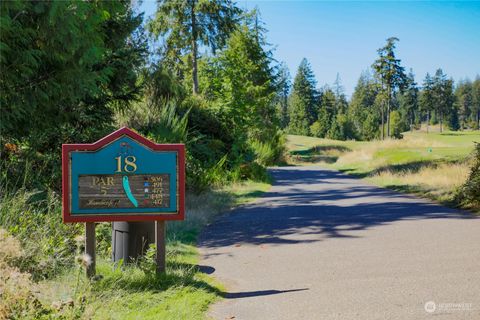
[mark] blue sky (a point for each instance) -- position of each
(343, 36)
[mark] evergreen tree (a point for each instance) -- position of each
(245, 95)
(65, 68)
(71, 80)
(370, 126)
(476, 101)
(391, 76)
(297, 113)
(408, 100)
(426, 100)
(341, 103)
(341, 128)
(302, 109)
(283, 88)
(190, 23)
(397, 125)
(326, 113)
(362, 105)
(443, 97)
(464, 102)
(453, 120)
(320, 127)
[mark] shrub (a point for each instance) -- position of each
(469, 194)
(169, 127)
(341, 129)
(271, 151)
(453, 121)
(397, 125)
(320, 127)
(370, 127)
(253, 171)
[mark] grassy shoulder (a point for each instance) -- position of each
(432, 165)
(135, 291)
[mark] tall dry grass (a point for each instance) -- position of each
(17, 298)
(439, 180)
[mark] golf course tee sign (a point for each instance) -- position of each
(123, 177)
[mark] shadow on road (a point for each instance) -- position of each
(248, 294)
(310, 205)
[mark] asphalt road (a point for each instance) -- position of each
(321, 245)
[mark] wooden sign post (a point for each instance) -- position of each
(123, 177)
(90, 247)
(160, 245)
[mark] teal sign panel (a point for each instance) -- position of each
(123, 177)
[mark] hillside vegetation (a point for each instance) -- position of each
(39, 281)
(73, 72)
(433, 165)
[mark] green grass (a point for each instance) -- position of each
(432, 165)
(135, 291)
(131, 293)
(246, 192)
(304, 144)
(458, 138)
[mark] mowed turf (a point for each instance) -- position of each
(433, 165)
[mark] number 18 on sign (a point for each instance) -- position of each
(123, 177)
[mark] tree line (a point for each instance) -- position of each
(74, 71)
(386, 102)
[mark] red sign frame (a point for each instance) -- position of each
(68, 148)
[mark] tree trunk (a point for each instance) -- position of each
(462, 119)
(383, 121)
(428, 119)
(411, 120)
(194, 50)
(478, 119)
(388, 120)
(388, 113)
(441, 122)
